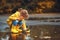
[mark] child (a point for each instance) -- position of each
(18, 19)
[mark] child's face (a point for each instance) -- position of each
(21, 17)
(24, 16)
(24, 13)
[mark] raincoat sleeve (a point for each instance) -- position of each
(24, 25)
(12, 17)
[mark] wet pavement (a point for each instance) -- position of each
(40, 30)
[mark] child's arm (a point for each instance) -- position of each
(24, 25)
(13, 17)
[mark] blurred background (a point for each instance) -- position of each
(44, 18)
(33, 6)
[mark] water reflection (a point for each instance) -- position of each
(42, 32)
(6, 38)
(11, 36)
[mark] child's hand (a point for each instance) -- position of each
(20, 18)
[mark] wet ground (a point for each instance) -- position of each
(40, 29)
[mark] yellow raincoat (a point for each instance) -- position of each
(14, 17)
